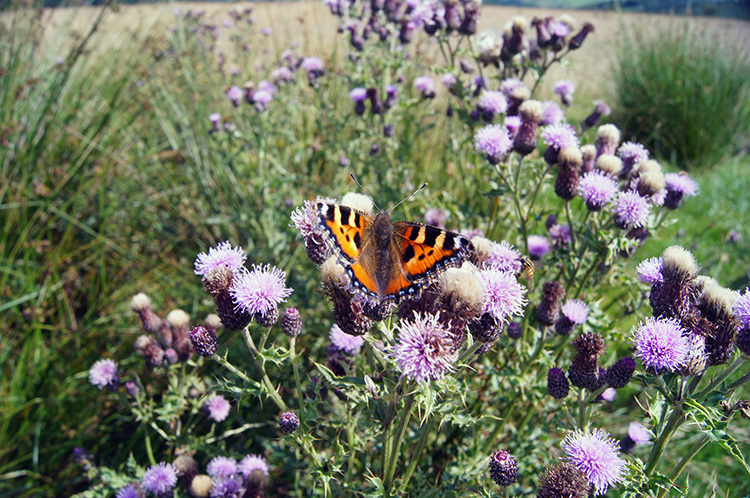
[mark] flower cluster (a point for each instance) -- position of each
(224, 477)
(694, 323)
(241, 294)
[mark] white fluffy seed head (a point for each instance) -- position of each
(483, 248)
(463, 285)
(360, 202)
(588, 152)
(531, 110)
(570, 156)
(212, 321)
(140, 302)
(178, 319)
(612, 165)
(333, 273)
(608, 134)
(679, 259)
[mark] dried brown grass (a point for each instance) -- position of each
(311, 27)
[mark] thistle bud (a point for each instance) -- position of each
(557, 383)
(288, 422)
(503, 468)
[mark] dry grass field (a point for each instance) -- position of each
(310, 26)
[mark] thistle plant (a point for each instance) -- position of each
(505, 366)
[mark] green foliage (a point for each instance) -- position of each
(683, 92)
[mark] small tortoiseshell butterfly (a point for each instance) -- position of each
(389, 262)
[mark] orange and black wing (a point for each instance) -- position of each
(426, 252)
(345, 228)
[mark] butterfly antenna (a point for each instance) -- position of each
(408, 197)
(363, 190)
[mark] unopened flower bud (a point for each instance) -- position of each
(288, 422)
(503, 468)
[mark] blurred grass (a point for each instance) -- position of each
(112, 185)
(683, 92)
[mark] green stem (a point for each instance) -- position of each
(295, 368)
(739, 382)
(586, 277)
(423, 434)
(721, 378)
(570, 224)
(699, 445)
(403, 417)
(535, 355)
(582, 414)
(469, 352)
(149, 450)
(676, 419)
(272, 392)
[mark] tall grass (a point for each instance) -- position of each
(683, 92)
(61, 242)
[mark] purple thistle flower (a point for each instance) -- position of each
(632, 153)
(391, 96)
(638, 433)
(741, 308)
(491, 103)
(608, 394)
(560, 136)
(596, 454)
(423, 350)
(235, 95)
(660, 344)
(223, 255)
(267, 86)
(282, 75)
(435, 217)
(261, 99)
(103, 373)
(552, 114)
(305, 218)
(597, 189)
(215, 119)
(425, 85)
(128, 491)
(448, 80)
(260, 290)
(509, 85)
(564, 87)
(512, 123)
(538, 246)
(494, 142)
(312, 64)
(226, 487)
(560, 235)
(504, 257)
(631, 210)
(560, 29)
(266, 31)
(576, 311)
(349, 344)
(218, 407)
(222, 466)
(252, 463)
(358, 94)
(679, 185)
(159, 479)
(649, 271)
(503, 295)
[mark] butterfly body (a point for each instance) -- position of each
(387, 261)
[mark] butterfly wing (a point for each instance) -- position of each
(425, 252)
(347, 232)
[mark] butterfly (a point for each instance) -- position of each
(389, 262)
